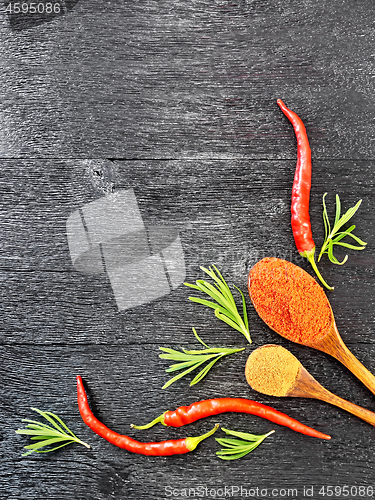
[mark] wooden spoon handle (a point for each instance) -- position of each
(358, 411)
(307, 386)
(356, 367)
(333, 344)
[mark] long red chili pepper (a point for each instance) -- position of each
(188, 414)
(163, 448)
(301, 192)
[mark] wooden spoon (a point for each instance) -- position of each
(266, 374)
(331, 342)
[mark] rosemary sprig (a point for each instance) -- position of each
(334, 236)
(45, 435)
(224, 305)
(238, 448)
(191, 360)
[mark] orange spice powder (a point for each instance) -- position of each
(289, 300)
(272, 369)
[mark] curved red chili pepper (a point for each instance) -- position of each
(163, 448)
(301, 225)
(201, 409)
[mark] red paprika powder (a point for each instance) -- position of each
(289, 300)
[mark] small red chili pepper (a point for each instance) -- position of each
(188, 414)
(301, 225)
(163, 448)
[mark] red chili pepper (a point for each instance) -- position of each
(163, 448)
(301, 225)
(188, 414)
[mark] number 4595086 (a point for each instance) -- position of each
(33, 8)
(346, 491)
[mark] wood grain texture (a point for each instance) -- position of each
(57, 323)
(165, 79)
(177, 100)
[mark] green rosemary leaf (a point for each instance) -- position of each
(49, 418)
(245, 435)
(204, 371)
(44, 435)
(229, 322)
(230, 442)
(338, 209)
(212, 305)
(327, 225)
(198, 338)
(223, 285)
(334, 236)
(238, 448)
(215, 294)
(212, 274)
(216, 351)
(47, 451)
(342, 234)
(332, 258)
(358, 240)
(233, 457)
(201, 355)
(47, 442)
(244, 312)
(182, 366)
(224, 306)
(210, 350)
(209, 272)
(347, 245)
(220, 283)
(168, 350)
(241, 451)
(193, 359)
(346, 217)
(38, 430)
(61, 423)
(220, 275)
(180, 375)
(231, 450)
(176, 356)
(34, 432)
(192, 286)
(36, 424)
(39, 438)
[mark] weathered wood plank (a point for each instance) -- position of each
(228, 213)
(128, 391)
(162, 79)
(58, 322)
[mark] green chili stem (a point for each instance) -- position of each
(192, 442)
(157, 420)
(310, 256)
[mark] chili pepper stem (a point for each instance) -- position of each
(157, 420)
(192, 442)
(310, 256)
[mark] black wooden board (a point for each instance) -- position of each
(177, 101)
(58, 323)
(163, 79)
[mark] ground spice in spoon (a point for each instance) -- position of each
(272, 370)
(289, 300)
